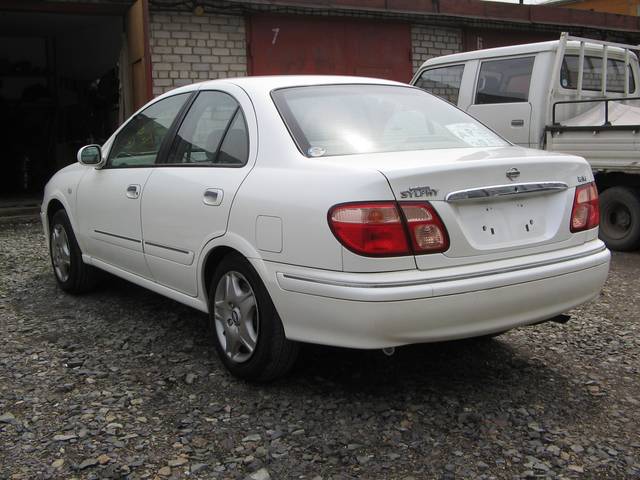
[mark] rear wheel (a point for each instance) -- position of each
(72, 274)
(620, 218)
(247, 332)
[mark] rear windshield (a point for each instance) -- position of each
(592, 74)
(331, 120)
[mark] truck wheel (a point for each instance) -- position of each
(620, 218)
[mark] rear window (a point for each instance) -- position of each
(331, 120)
(443, 82)
(592, 74)
(504, 81)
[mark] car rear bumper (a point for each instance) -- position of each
(376, 310)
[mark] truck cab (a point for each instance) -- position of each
(572, 95)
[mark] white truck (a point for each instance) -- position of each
(572, 95)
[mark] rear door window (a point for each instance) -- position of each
(214, 132)
(504, 81)
(443, 82)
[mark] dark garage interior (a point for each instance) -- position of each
(59, 90)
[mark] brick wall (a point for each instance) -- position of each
(428, 42)
(186, 48)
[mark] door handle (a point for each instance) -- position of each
(133, 191)
(517, 123)
(213, 196)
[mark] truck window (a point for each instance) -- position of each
(592, 74)
(504, 81)
(443, 82)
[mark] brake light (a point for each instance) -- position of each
(378, 229)
(374, 229)
(586, 212)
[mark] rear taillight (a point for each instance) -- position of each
(586, 212)
(379, 229)
(374, 229)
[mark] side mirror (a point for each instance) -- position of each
(90, 155)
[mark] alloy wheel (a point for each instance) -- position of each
(60, 253)
(236, 316)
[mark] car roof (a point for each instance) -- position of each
(268, 83)
(272, 82)
(515, 50)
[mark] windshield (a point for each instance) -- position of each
(348, 119)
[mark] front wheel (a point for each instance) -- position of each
(620, 218)
(247, 332)
(72, 274)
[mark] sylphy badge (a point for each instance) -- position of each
(418, 192)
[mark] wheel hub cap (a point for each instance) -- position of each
(60, 253)
(617, 221)
(236, 316)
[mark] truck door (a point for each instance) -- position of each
(501, 98)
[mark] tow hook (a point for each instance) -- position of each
(389, 351)
(562, 318)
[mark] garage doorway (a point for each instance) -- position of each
(66, 80)
(280, 44)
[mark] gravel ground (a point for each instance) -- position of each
(124, 383)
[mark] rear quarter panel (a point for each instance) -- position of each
(300, 195)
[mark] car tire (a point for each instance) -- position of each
(247, 332)
(620, 218)
(72, 274)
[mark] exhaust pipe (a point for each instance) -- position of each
(389, 351)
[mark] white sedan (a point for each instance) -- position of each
(341, 211)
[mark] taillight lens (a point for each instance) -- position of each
(586, 212)
(426, 230)
(377, 229)
(372, 229)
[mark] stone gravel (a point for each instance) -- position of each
(123, 383)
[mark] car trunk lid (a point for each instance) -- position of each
(495, 203)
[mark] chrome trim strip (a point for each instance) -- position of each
(450, 278)
(173, 249)
(493, 191)
(117, 236)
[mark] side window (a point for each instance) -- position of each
(504, 81)
(139, 141)
(235, 146)
(443, 82)
(592, 74)
(213, 132)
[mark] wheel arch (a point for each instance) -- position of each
(53, 206)
(216, 250)
(604, 181)
(54, 203)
